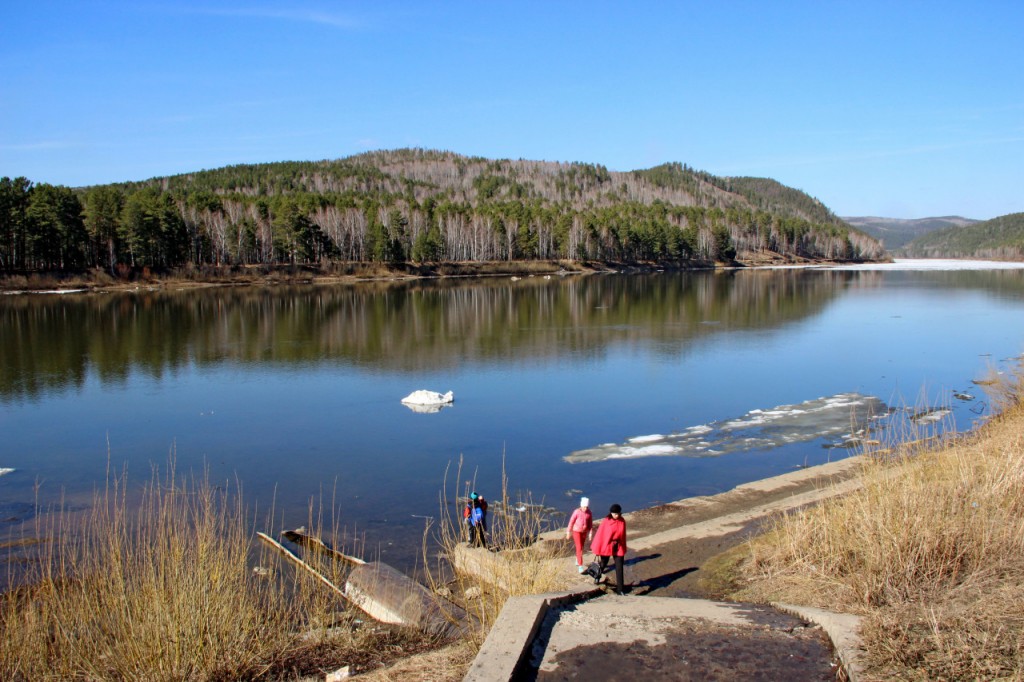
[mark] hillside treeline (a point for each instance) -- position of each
(1001, 238)
(416, 205)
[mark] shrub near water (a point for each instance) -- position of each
(931, 550)
(166, 591)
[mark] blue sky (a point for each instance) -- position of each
(899, 109)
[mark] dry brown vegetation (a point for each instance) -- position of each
(520, 566)
(930, 552)
(165, 590)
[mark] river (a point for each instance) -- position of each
(636, 389)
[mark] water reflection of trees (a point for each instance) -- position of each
(55, 343)
(1002, 284)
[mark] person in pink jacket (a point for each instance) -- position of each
(581, 525)
(610, 541)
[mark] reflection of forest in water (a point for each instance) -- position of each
(54, 342)
(1000, 284)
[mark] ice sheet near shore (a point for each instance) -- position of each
(839, 418)
(907, 264)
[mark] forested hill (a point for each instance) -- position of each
(423, 206)
(896, 233)
(1001, 238)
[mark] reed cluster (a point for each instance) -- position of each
(479, 580)
(930, 550)
(159, 584)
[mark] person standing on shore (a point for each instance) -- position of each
(581, 526)
(476, 517)
(610, 542)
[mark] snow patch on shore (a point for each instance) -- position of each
(918, 264)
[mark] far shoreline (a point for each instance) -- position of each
(97, 280)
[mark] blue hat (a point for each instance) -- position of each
(473, 496)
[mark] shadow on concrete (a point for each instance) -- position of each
(658, 582)
(632, 561)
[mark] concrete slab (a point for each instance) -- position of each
(730, 523)
(651, 638)
(503, 653)
(843, 630)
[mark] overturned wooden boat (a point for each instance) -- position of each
(379, 590)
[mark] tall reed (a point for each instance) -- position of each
(514, 564)
(162, 588)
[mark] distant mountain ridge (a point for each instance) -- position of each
(1001, 238)
(895, 233)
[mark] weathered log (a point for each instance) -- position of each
(318, 546)
(299, 562)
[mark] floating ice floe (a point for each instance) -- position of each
(933, 414)
(428, 401)
(5, 471)
(840, 418)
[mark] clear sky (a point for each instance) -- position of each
(896, 109)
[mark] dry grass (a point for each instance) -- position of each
(165, 590)
(930, 551)
(515, 565)
(447, 664)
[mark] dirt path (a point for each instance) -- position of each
(670, 543)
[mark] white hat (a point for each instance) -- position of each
(584, 501)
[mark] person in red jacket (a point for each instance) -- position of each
(610, 541)
(581, 527)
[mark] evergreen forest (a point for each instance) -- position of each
(1001, 238)
(420, 206)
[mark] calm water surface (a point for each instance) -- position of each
(295, 392)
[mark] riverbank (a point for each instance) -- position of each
(929, 551)
(344, 273)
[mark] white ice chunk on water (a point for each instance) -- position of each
(758, 429)
(646, 439)
(427, 401)
(930, 415)
(5, 471)
(646, 451)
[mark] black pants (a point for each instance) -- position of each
(476, 536)
(619, 578)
